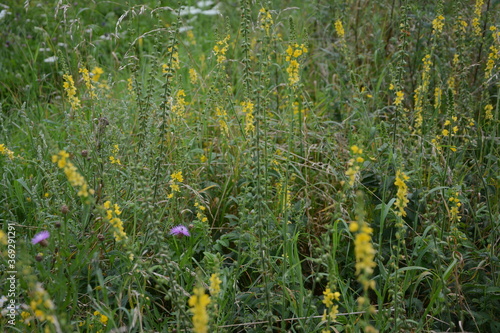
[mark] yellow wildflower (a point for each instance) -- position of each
(401, 200)
(339, 28)
(97, 72)
(476, 21)
(438, 24)
(112, 212)
(88, 82)
(249, 117)
(69, 87)
(72, 174)
(399, 97)
(488, 115)
(221, 48)
(293, 52)
(198, 303)
(215, 282)
(193, 76)
(6, 151)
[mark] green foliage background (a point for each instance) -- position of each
(276, 200)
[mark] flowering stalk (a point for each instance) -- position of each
(401, 200)
(365, 255)
(74, 177)
(198, 303)
(69, 87)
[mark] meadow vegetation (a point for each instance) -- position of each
(250, 166)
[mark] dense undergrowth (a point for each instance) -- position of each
(279, 166)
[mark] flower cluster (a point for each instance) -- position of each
(437, 24)
(438, 96)
(103, 319)
(193, 76)
(249, 117)
(494, 54)
(399, 98)
(112, 213)
(74, 177)
(96, 73)
(455, 209)
(293, 52)
(450, 130)
(200, 214)
(331, 310)
(265, 20)
(421, 90)
(339, 29)
(5, 151)
(476, 21)
(488, 115)
(69, 87)
(354, 164)
(180, 103)
(3, 238)
(41, 305)
(222, 117)
(191, 38)
(174, 61)
(215, 283)
(113, 158)
(198, 303)
(130, 85)
(221, 48)
(175, 178)
(401, 200)
(88, 82)
(364, 252)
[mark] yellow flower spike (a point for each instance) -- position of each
(215, 283)
(399, 98)
(401, 200)
(198, 303)
(339, 28)
(5, 151)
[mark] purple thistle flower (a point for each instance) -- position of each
(41, 238)
(179, 231)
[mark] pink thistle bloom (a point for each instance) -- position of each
(179, 231)
(41, 238)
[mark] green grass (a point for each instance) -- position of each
(313, 161)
